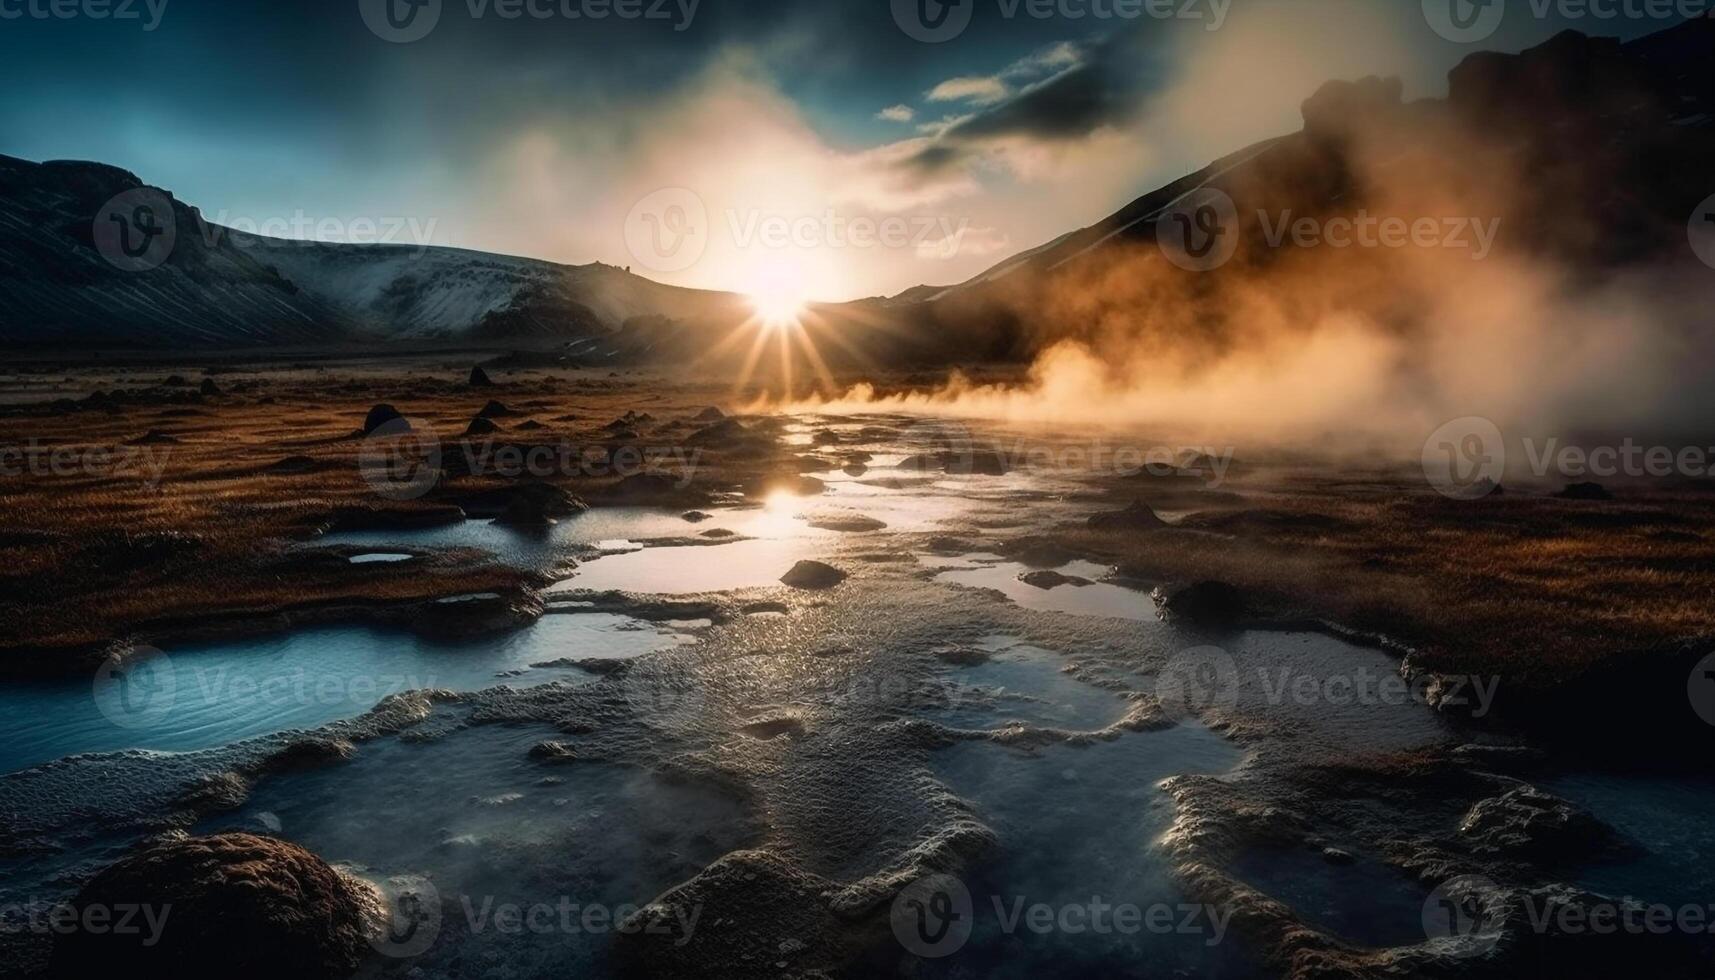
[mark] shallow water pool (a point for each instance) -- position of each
(202, 696)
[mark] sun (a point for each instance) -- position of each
(778, 304)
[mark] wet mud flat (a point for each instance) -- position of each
(973, 747)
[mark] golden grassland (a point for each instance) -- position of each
(1524, 583)
(1538, 587)
(94, 554)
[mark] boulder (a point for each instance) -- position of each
(1049, 579)
(208, 389)
(538, 505)
(1585, 491)
(481, 427)
(1137, 517)
(381, 415)
(813, 575)
(495, 410)
(235, 905)
(479, 378)
(710, 414)
(1528, 823)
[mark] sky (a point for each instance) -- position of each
(815, 149)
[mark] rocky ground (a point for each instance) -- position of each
(817, 713)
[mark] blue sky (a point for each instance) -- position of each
(538, 135)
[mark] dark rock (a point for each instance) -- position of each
(696, 516)
(966, 462)
(1049, 579)
(710, 414)
(495, 410)
(655, 488)
(853, 524)
(1333, 855)
(1201, 604)
(382, 415)
(208, 389)
(481, 427)
(726, 432)
(311, 753)
(291, 465)
(174, 381)
(855, 469)
(719, 532)
(813, 575)
(155, 437)
(464, 617)
(530, 426)
(1585, 491)
(479, 378)
(553, 752)
(539, 505)
(1137, 517)
(1526, 822)
(237, 905)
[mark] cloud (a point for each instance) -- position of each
(897, 113)
(968, 242)
(978, 89)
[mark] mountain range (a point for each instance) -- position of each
(1604, 148)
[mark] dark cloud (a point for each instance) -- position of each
(1106, 87)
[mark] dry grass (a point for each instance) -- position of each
(1528, 584)
(90, 557)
